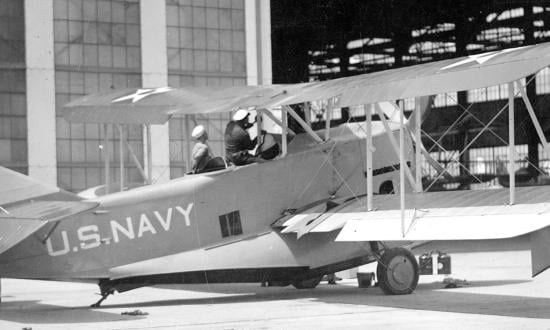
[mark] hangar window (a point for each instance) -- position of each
(230, 224)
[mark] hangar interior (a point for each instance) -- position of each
(53, 51)
(315, 40)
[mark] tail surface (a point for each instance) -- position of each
(20, 217)
(15, 187)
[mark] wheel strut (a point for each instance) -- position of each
(377, 252)
(104, 296)
(105, 291)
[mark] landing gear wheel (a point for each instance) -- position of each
(310, 283)
(397, 272)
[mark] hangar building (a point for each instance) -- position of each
(53, 51)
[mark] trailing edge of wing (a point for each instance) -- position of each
(157, 105)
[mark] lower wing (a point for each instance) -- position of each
(456, 215)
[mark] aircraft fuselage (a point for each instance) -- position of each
(218, 221)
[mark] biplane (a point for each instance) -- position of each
(318, 207)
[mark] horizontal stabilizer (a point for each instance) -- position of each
(466, 223)
(14, 230)
(17, 187)
(21, 221)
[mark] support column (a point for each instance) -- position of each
(258, 42)
(40, 76)
(463, 139)
(264, 25)
(154, 68)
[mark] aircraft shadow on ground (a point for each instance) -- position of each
(32, 312)
(427, 297)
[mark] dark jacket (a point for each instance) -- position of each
(237, 139)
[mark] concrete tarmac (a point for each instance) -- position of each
(500, 294)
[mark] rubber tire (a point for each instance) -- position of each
(310, 283)
(403, 282)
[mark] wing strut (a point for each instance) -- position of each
(149, 143)
(284, 129)
(368, 118)
(283, 123)
(307, 113)
(134, 157)
(330, 107)
(303, 124)
(511, 144)
(532, 115)
(277, 121)
(392, 138)
(418, 139)
(146, 172)
(402, 164)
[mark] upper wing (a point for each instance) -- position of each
(471, 72)
(455, 215)
(21, 221)
(156, 105)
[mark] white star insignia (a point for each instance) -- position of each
(142, 93)
(479, 58)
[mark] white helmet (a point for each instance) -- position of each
(198, 132)
(240, 115)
